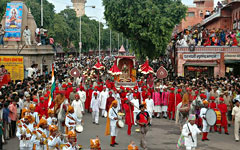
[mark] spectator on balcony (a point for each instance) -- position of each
(223, 37)
(238, 37)
(182, 42)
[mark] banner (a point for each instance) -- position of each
(14, 65)
(228, 56)
(13, 22)
(201, 56)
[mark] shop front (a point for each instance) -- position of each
(232, 61)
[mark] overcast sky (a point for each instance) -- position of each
(98, 11)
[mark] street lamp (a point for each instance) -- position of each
(80, 34)
(99, 36)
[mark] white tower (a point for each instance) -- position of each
(79, 7)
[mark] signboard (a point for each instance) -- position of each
(162, 73)
(13, 22)
(201, 56)
(232, 56)
(14, 65)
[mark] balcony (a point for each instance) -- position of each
(213, 16)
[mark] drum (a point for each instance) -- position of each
(219, 117)
(211, 117)
(79, 128)
(120, 124)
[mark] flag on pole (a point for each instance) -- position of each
(53, 86)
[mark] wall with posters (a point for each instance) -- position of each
(13, 22)
(14, 65)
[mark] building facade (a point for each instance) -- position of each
(208, 61)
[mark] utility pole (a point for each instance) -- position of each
(110, 42)
(41, 12)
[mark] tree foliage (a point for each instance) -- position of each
(147, 23)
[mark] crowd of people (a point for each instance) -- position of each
(26, 112)
(205, 37)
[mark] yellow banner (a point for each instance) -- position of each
(14, 65)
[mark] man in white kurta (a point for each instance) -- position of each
(82, 95)
(117, 97)
(54, 139)
(236, 119)
(27, 36)
(150, 106)
(95, 107)
(206, 127)
(78, 107)
(135, 103)
(24, 133)
(113, 122)
(190, 132)
(34, 114)
(103, 100)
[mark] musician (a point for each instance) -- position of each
(223, 109)
(55, 139)
(24, 133)
(171, 104)
(39, 136)
(71, 144)
(143, 120)
(128, 108)
(190, 132)
(95, 108)
(71, 119)
(34, 114)
(51, 119)
(236, 119)
(111, 126)
(205, 125)
(135, 103)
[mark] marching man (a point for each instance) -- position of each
(51, 119)
(103, 99)
(78, 106)
(24, 133)
(34, 114)
(71, 144)
(111, 126)
(150, 106)
(95, 107)
(236, 119)
(135, 103)
(55, 139)
(82, 95)
(190, 132)
(71, 120)
(205, 125)
(39, 137)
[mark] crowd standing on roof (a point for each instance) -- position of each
(25, 111)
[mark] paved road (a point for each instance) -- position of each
(162, 136)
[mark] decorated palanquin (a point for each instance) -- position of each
(127, 65)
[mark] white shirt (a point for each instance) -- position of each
(26, 33)
(36, 117)
(39, 135)
(103, 99)
(150, 105)
(50, 120)
(69, 146)
(117, 97)
(82, 95)
(71, 120)
(112, 115)
(95, 104)
(194, 130)
(236, 112)
(23, 130)
(53, 141)
(136, 105)
(78, 108)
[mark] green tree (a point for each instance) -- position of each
(3, 5)
(147, 23)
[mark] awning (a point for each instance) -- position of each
(207, 64)
(231, 61)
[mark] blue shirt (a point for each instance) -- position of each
(5, 114)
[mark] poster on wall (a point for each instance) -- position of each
(13, 22)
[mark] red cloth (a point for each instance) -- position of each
(144, 96)
(171, 103)
(129, 120)
(178, 98)
(138, 97)
(223, 108)
(212, 105)
(42, 109)
(109, 102)
(100, 88)
(88, 98)
(122, 96)
(67, 94)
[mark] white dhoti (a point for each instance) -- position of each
(114, 130)
(157, 109)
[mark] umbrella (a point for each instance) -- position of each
(145, 68)
(98, 66)
(115, 70)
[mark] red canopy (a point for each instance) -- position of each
(98, 66)
(145, 68)
(115, 70)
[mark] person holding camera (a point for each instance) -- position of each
(143, 120)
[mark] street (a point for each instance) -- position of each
(163, 135)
